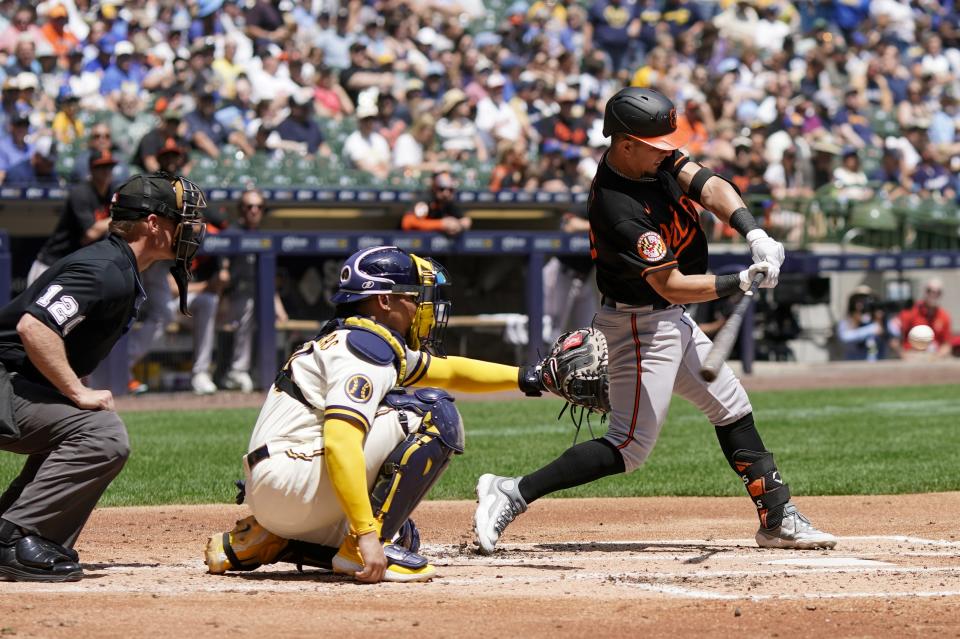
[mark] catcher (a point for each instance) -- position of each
(340, 457)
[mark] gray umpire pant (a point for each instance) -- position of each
(73, 455)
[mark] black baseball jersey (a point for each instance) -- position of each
(637, 227)
(89, 298)
(84, 207)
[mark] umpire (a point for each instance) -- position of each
(52, 335)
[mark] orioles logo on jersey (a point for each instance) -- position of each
(650, 246)
(360, 388)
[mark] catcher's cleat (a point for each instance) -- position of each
(247, 547)
(402, 564)
(499, 503)
(795, 531)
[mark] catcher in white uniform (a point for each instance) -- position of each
(651, 258)
(341, 454)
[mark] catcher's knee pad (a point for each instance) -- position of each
(247, 547)
(417, 462)
(762, 479)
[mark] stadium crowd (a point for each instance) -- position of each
(781, 97)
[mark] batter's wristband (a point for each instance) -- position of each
(727, 284)
(530, 381)
(742, 221)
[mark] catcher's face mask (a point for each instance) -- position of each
(189, 234)
(433, 308)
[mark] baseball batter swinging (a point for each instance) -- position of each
(340, 456)
(651, 259)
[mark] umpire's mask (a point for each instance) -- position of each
(173, 197)
(388, 269)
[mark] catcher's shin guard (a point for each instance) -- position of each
(417, 462)
(247, 547)
(762, 479)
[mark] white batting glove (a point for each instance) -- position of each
(747, 275)
(766, 249)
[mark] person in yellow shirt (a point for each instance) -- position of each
(67, 127)
(342, 453)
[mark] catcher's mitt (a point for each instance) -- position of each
(576, 370)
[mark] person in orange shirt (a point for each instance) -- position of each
(56, 32)
(693, 125)
(441, 214)
(928, 311)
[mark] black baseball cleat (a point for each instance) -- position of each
(33, 558)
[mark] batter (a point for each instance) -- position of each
(651, 259)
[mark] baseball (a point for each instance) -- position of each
(920, 337)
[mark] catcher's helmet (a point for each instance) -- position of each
(173, 197)
(645, 115)
(389, 270)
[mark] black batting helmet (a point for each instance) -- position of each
(645, 115)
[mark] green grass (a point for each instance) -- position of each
(835, 442)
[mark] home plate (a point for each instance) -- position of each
(828, 561)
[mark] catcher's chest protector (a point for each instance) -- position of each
(435, 435)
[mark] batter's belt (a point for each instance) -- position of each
(614, 305)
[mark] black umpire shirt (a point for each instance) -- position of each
(639, 227)
(84, 207)
(88, 298)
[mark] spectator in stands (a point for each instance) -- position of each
(458, 133)
(611, 26)
(98, 140)
(893, 179)
(440, 214)
(301, 128)
(825, 153)
(226, 68)
(789, 185)
(172, 157)
(931, 178)
(362, 75)
(916, 109)
(240, 296)
(389, 123)
(206, 133)
(496, 119)
(152, 142)
(23, 25)
(565, 127)
(130, 122)
(416, 150)
(125, 70)
(928, 311)
(849, 178)
(366, 149)
(37, 170)
(85, 216)
(512, 172)
(851, 126)
(864, 330)
(66, 126)
(265, 23)
(14, 148)
(58, 33)
(331, 101)
(335, 41)
(24, 58)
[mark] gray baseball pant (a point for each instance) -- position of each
(652, 355)
(73, 455)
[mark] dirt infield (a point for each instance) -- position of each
(670, 567)
(594, 567)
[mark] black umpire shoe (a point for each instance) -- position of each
(33, 558)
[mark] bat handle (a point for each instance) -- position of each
(755, 283)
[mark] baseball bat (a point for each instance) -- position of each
(727, 336)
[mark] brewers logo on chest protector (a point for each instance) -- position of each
(637, 228)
